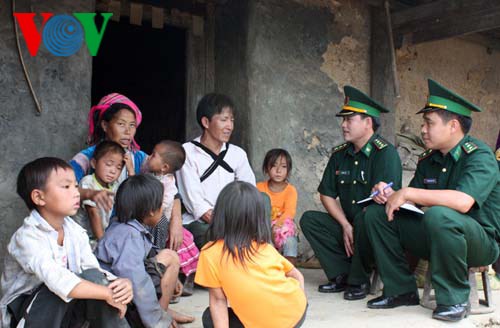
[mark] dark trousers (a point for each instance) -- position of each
(199, 231)
(325, 235)
(451, 241)
(42, 308)
(234, 321)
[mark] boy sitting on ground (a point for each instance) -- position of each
(51, 276)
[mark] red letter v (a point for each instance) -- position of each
(31, 35)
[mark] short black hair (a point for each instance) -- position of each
(35, 174)
(271, 158)
(446, 116)
(212, 104)
(375, 121)
(107, 116)
(239, 219)
(174, 154)
(138, 196)
(107, 146)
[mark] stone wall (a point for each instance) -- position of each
(63, 87)
(300, 55)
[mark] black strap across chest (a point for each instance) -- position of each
(218, 160)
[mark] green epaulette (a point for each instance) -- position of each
(379, 143)
(469, 147)
(339, 147)
(425, 154)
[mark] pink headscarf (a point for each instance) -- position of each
(103, 106)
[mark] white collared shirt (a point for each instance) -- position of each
(199, 197)
(34, 258)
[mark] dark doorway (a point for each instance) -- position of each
(148, 66)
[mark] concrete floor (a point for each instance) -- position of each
(331, 310)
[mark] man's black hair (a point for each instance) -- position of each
(212, 104)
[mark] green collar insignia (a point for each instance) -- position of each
(367, 149)
(456, 153)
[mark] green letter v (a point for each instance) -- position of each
(92, 36)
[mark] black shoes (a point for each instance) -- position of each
(335, 285)
(389, 302)
(451, 312)
(356, 292)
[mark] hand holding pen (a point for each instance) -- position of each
(381, 192)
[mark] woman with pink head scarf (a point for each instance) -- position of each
(114, 118)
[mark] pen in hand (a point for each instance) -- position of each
(375, 193)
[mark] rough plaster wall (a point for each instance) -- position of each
(63, 87)
(300, 56)
(463, 67)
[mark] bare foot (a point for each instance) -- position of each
(179, 317)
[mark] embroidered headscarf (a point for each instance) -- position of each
(104, 104)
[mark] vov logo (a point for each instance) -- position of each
(62, 34)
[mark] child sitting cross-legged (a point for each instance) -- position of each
(107, 162)
(168, 157)
(127, 250)
(51, 278)
(278, 166)
(240, 267)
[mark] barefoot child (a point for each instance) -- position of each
(241, 267)
(127, 249)
(168, 157)
(107, 162)
(51, 277)
(277, 166)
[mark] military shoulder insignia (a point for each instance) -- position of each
(469, 147)
(379, 143)
(425, 154)
(340, 147)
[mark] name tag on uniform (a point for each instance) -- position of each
(430, 180)
(338, 172)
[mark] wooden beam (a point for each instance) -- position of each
(382, 86)
(193, 7)
(444, 19)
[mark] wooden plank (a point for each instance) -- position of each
(136, 13)
(157, 17)
(452, 27)
(190, 6)
(115, 8)
(443, 19)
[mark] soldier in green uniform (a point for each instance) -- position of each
(352, 171)
(457, 179)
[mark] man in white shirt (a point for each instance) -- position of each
(211, 163)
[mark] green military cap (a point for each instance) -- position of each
(442, 98)
(357, 102)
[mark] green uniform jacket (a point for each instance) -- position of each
(469, 167)
(351, 176)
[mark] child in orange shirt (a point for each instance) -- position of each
(277, 166)
(240, 266)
